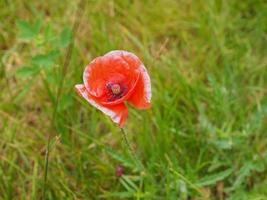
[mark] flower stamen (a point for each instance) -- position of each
(116, 89)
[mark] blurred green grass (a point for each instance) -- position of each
(205, 136)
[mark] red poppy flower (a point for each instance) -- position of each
(111, 80)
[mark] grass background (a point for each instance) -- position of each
(205, 136)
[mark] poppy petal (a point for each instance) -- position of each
(118, 113)
(141, 96)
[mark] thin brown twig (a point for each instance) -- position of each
(66, 63)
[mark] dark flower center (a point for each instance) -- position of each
(115, 91)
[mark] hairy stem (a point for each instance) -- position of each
(133, 154)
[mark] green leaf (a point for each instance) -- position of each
(65, 37)
(48, 33)
(130, 183)
(212, 179)
(244, 172)
(223, 143)
(45, 60)
(126, 186)
(37, 26)
(50, 36)
(26, 72)
(125, 162)
(28, 31)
